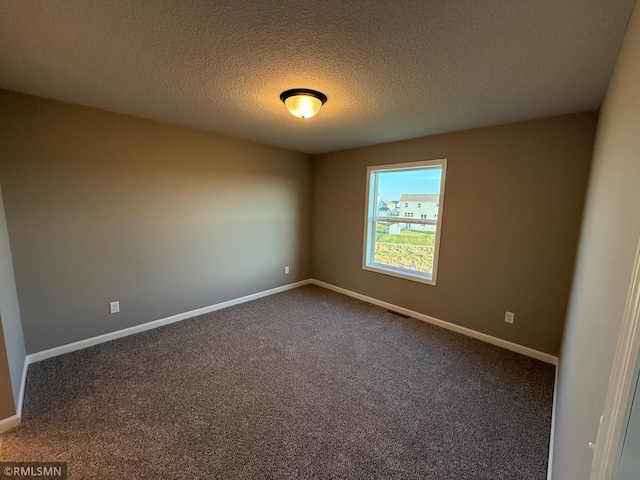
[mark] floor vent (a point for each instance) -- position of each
(399, 314)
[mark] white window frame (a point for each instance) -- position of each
(370, 212)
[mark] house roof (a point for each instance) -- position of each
(420, 197)
(391, 70)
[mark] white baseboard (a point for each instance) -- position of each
(9, 423)
(79, 345)
(89, 342)
(514, 347)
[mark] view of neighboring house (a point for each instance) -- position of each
(383, 209)
(387, 208)
(419, 205)
(411, 205)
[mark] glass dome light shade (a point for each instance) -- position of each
(303, 103)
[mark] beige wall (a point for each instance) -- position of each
(103, 207)
(608, 246)
(512, 210)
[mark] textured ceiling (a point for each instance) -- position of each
(392, 69)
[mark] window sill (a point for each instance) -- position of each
(400, 273)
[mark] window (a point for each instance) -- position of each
(409, 249)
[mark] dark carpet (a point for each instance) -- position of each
(303, 384)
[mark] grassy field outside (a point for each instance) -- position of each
(408, 237)
(407, 249)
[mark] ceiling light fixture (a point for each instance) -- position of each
(302, 102)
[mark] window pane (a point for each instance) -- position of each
(405, 245)
(393, 184)
(401, 236)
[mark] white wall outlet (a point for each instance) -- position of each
(114, 307)
(508, 317)
(286, 270)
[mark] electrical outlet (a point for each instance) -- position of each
(509, 316)
(114, 307)
(286, 270)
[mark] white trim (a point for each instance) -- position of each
(23, 383)
(9, 423)
(88, 342)
(552, 434)
(514, 347)
(72, 347)
(397, 272)
(615, 415)
(371, 217)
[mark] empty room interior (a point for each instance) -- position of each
(283, 239)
